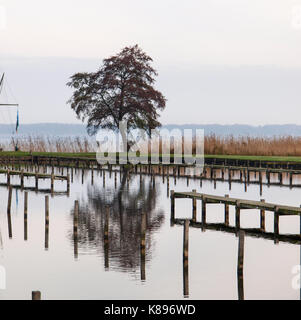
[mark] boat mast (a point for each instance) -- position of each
(6, 104)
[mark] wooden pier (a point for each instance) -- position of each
(240, 204)
(37, 176)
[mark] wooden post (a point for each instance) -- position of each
(291, 179)
(276, 223)
(142, 247)
(226, 211)
(185, 259)
(262, 217)
(36, 295)
(75, 229)
(104, 178)
(10, 234)
(46, 222)
(240, 265)
(115, 179)
(106, 237)
(68, 183)
(22, 178)
(194, 209)
(268, 176)
(237, 215)
(52, 183)
(203, 212)
(25, 215)
(83, 175)
(37, 181)
(92, 176)
(8, 177)
(172, 205)
(72, 174)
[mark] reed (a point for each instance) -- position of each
(213, 145)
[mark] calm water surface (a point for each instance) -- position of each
(97, 271)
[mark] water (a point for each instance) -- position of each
(98, 272)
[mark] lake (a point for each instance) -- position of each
(90, 268)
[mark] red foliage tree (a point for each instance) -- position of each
(122, 89)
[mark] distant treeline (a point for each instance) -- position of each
(236, 130)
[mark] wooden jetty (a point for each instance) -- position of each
(37, 176)
(240, 204)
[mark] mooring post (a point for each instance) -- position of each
(142, 247)
(240, 265)
(262, 217)
(92, 176)
(25, 214)
(268, 176)
(103, 178)
(115, 179)
(68, 183)
(276, 222)
(75, 229)
(291, 179)
(185, 259)
(10, 234)
(46, 222)
(83, 175)
(237, 215)
(37, 181)
(194, 209)
(36, 295)
(22, 178)
(226, 211)
(52, 183)
(8, 177)
(106, 237)
(203, 212)
(172, 205)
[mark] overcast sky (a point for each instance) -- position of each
(219, 61)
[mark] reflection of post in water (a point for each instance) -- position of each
(25, 214)
(142, 247)
(185, 259)
(46, 222)
(75, 229)
(10, 234)
(240, 265)
(106, 237)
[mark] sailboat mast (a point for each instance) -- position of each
(6, 104)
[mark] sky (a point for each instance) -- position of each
(225, 62)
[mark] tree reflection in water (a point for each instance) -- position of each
(126, 205)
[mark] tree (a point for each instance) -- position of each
(121, 90)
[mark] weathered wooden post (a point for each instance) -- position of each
(104, 178)
(115, 179)
(291, 179)
(276, 223)
(68, 183)
(280, 177)
(22, 178)
(52, 183)
(194, 209)
(185, 259)
(25, 215)
(262, 217)
(10, 234)
(106, 237)
(8, 177)
(37, 181)
(268, 176)
(237, 215)
(36, 295)
(240, 265)
(75, 229)
(203, 212)
(83, 175)
(72, 174)
(172, 205)
(142, 247)
(46, 222)
(226, 211)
